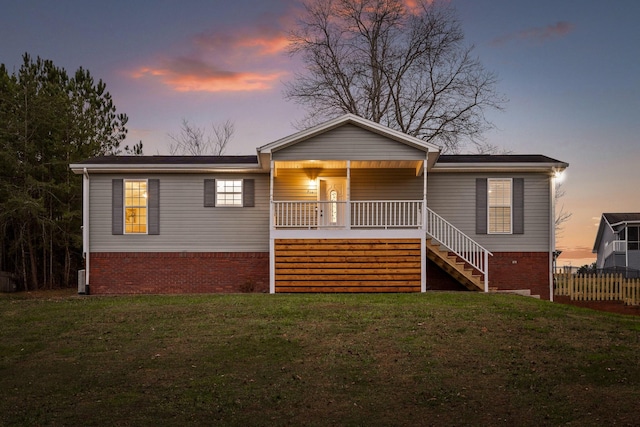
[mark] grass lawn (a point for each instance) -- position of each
(318, 360)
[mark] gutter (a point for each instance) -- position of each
(499, 167)
(158, 168)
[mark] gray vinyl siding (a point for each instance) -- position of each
(453, 196)
(366, 184)
(386, 184)
(349, 142)
(607, 238)
(185, 224)
(616, 260)
(293, 184)
(634, 259)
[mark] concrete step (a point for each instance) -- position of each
(523, 292)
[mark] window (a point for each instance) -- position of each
(499, 204)
(633, 239)
(333, 196)
(135, 207)
(228, 192)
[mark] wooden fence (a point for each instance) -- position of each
(598, 287)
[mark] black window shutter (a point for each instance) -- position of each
(248, 193)
(209, 193)
(518, 205)
(481, 206)
(117, 201)
(154, 206)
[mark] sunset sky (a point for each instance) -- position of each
(570, 69)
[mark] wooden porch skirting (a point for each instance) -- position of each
(347, 265)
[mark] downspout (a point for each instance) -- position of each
(85, 227)
(552, 232)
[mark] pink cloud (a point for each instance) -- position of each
(539, 34)
(415, 6)
(264, 41)
(224, 60)
(576, 256)
(186, 74)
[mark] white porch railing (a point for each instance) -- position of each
(386, 214)
(459, 243)
(615, 246)
(341, 214)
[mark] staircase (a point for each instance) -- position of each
(458, 269)
(456, 253)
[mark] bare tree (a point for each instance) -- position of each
(406, 68)
(562, 216)
(195, 141)
(223, 133)
(483, 147)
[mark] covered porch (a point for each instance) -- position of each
(362, 226)
(346, 195)
(348, 210)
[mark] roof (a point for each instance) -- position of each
(170, 160)
(496, 158)
(498, 163)
(169, 164)
(616, 218)
(610, 220)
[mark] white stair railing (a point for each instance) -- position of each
(459, 243)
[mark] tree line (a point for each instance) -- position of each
(49, 119)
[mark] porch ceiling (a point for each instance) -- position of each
(342, 164)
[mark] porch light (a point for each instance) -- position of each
(312, 186)
(558, 175)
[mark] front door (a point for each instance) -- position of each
(331, 212)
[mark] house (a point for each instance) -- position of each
(346, 206)
(617, 243)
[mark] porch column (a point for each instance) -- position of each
(348, 207)
(423, 251)
(272, 255)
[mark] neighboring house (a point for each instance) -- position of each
(346, 206)
(617, 242)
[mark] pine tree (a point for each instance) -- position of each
(47, 121)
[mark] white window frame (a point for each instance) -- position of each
(218, 203)
(124, 207)
(489, 206)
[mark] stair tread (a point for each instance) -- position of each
(457, 268)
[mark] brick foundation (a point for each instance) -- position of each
(178, 272)
(520, 270)
(226, 272)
